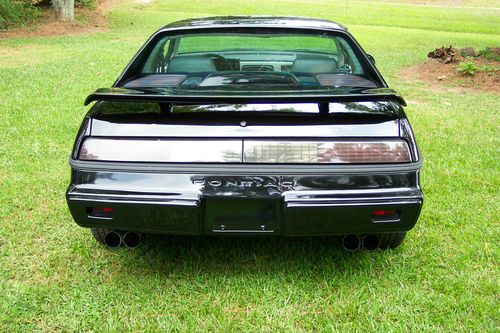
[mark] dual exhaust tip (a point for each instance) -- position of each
(130, 239)
(352, 243)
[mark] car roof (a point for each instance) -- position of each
(254, 21)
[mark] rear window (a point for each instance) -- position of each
(254, 60)
(275, 42)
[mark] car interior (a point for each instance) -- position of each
(167, 66)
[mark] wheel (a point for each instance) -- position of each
(99, 234)
(391, 240)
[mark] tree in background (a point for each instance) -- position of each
(64, 9)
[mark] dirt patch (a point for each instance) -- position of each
(445, 76)
(86, 21)
(440, 3)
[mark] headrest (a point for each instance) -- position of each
(191, 64)
(314, 65)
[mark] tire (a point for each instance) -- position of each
(99, 234)
(391, 240)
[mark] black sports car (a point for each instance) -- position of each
(247, 125)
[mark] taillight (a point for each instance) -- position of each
(143, 150)
(100, 212)
(246, 151)
(326, 152)
(381, 216)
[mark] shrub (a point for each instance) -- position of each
(490, 53)
(467, 68)
(16, 13)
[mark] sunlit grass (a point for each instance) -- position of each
(55, 277)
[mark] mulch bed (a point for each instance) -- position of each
(440, 71)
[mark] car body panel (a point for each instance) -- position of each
(236, 97)
(306, 204)
(245, 196)
(214, 24)
(259, 21)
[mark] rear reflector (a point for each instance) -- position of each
(385, 212)
(385, 216)
(245, 151)
(100, 212)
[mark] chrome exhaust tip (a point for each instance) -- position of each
(132, 239)
(113, 239)
(371, 242)
(351, 243)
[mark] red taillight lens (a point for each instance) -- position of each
(385, 212)
(367, 152)
(100, 212)
(326, 152)
(385, 215)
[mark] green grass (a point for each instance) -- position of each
(55, 277)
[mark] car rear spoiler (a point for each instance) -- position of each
(226, 97)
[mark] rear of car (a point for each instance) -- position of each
(235, 129)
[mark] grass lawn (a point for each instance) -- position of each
(55, 277)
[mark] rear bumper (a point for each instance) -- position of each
(328, 203)
(334, 214)
(351, 211)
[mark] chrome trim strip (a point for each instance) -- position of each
(377, 221)
(168, 202)
(374, 199)
(367, 195)
(374, 191)
(247, 169)
(344, 204)
(99, 218)
(135, 195)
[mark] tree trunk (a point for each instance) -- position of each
(64, 9)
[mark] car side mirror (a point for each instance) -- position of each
(371, 58)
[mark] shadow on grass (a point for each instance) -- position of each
(232, 256)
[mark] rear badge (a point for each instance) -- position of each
(243, 123)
